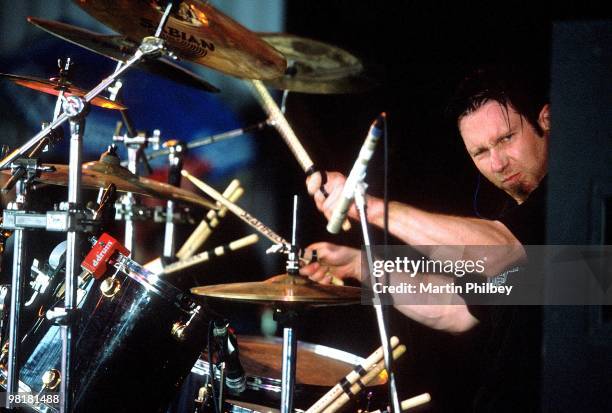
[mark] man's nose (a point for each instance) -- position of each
(499, 161)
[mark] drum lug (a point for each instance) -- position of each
(51, 379)
(202, 395)
(3, 358)
(178, 331)
(110, 287)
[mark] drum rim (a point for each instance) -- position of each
(148, 279)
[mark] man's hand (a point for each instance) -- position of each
(333, 187)
(333, 261)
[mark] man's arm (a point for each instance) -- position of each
(432, 310)
(425, 230)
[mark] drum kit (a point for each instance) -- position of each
(110, 334)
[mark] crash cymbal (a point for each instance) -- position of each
(317, 67)
(120, 48)
(100, 174)
(316, 364)
(52, 87)
(283, 289)
(195, 31)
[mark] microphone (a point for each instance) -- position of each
(356, 175)
(235, 379)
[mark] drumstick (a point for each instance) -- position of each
(412, 402)
(214, 218)
(157, 267)
(279, 121)
(416, 401)
(235, 209)
(360, 384)
(207, 255)
(351, 378)
(204, 229)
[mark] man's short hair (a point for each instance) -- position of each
(524, 89)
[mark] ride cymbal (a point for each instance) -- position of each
(317, 67)
(100, 174)
(53, 87)
(283, 289)
(195, 31)
(120, 49)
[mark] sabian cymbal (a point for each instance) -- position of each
(195, 31)
(317, 67)
(100, 174)
(283, 289)
(53, 87)
(120, 48)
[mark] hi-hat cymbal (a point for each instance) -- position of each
(100, 174)
(317, 67)
(194, 31)
(120, 48)
(53, 87)
(283, 289)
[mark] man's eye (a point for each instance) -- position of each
(506, 138)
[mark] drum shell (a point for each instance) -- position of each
(128, 357)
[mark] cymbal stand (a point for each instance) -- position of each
(64, 68)
(135, 145)
(26, 170)
(288, 319)
(175, 166)
(74, 110)
(207, 140)
(360, 203)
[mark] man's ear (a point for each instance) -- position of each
(544, 118)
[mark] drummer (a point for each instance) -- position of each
(504, 122)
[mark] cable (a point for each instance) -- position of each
(475, 199)
(386, 195)
(386, 182)
(211, 372)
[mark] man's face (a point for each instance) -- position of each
(505, 148)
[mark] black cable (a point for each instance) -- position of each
(211, 371)
(386, 197)
(475, 199)
(386, 182)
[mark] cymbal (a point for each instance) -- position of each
(283, 289)
(316, 364)
(100, 174)
(194, 31)
(317, 67)
(120, 49)
(52, 87)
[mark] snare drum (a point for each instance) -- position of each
(137, 339)
(318, 369)
(262, 394)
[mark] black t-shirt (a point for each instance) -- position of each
(511, 357)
